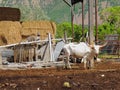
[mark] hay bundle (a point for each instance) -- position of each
(13, 32)
(34, 27)
(9, 32)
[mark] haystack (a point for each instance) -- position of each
(10, 32)
(34, 27)
(14, 32)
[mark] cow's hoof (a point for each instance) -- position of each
(66, 67)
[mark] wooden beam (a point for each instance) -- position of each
(67, 3)
(91, 34)
(32, 42)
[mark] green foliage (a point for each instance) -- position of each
(66, 27)
(111, 21)
(111, 15)
(105, 29)
(63, 27)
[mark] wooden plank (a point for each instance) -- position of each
(58, 49)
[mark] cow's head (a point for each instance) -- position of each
(97, 47)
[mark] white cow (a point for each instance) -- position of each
(81, 50)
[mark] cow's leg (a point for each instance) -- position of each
(66, 61)
(88, 64)
(85, 62)
(92, 63)
(75, 60)
(82, 60)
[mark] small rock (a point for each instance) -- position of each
(13, 85)
(66, 84)
(102, 75)
(6, 84)
(75, 84)
(44, 83)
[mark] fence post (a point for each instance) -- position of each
(0, 60)
(50, 48)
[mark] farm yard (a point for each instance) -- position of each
(105, 76)
(38, 53)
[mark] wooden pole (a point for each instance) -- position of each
(36, 53)
(50, 47)
(65, 36)
(82, 19)
(91, 35)
(20, 52)
(72, 24)
(96, 20)
(0, 60)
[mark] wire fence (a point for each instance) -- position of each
(112, 49)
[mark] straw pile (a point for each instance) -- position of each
(10, 32)
(41, 27)
(14, 32)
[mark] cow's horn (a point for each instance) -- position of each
(103, 45)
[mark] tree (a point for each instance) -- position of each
(66, 26)
(105, 29)
(111, 15)
(111, 21)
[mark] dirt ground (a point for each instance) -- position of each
(105, 76)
